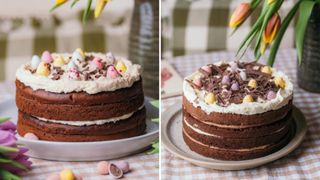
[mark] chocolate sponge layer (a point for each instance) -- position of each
(133, 126)
(237, 119)
(79, 106)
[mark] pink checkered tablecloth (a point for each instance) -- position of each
(303, 163)
(143, 166)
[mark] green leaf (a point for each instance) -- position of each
(74, 3)
(155, 103)
(4, 149)
(86, 13)
(155, 147)
(12, 163)
(305, 10)
(3, 119)
(156, 120)
(8, 175)
(282, 30)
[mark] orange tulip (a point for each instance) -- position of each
(99, 7)
(270, 31)
(240, 14)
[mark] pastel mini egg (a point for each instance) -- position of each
(233, 66)
(248, 98)
(235, 86)
(115, 171)
(210, 98)
(271, 95)
(67, 174)
(59, 61)
(110, 56)
(97, 62)
(71, 65)
(35, 61)
(121, 67)
(207, 69)
(31, 136)
(266, 69)
(252, 83)
(197, 82)
(243, 75)
(225, 80)
(74, 74)
(112, 72)
(81, 52)
(103, 168)
(46, 57)
(43, 69)
(279, 81)
(123, 165)
(76, 56)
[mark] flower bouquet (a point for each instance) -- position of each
(13, 160)
(268, 30)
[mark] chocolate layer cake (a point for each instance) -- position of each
(237, 110)
(80, 97)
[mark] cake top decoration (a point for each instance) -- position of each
(237, 85)
(79, 71)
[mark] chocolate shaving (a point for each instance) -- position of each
(224, 94)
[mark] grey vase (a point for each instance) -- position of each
(144, 43)
(309, 70)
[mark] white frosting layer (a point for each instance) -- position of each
(248, 108)
(65, 85)
(88, 123)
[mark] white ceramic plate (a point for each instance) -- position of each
(171, 137)
(86, 151)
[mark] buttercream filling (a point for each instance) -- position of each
(224, 149)
(89, 123)
(282, 98)
(213, 135)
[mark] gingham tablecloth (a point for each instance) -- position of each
(143, 166)
(303, 163)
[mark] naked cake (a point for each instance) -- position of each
(237, 110)
(80, 97)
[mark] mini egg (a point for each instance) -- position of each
(31, 136)
(112, 72)
(210, 98)
(35, 61)
(110, 56)
(97, 62)
(271, 95)
(71, 65)
(43, 69)
(76, 56)
(279, 81)
(235, 86)
(207, 69)
(123, 165)
(46, 57)
(252, 83)
(247, 98)
(67, 174)
(59, 61)
(225, 80)
(266, 69)
(103, 167)
(121, 67)
(81, 52)
(243, 75)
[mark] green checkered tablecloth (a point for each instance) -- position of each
(20, 38)
(198, 26)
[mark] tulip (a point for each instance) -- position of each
(59, 2)
(240, 14)
(99, 7)
(270, 31)
(271, 1)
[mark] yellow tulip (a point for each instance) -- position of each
(271, 1)
(99, 7)
(270, 31)
(58, 2)
(239, 15)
